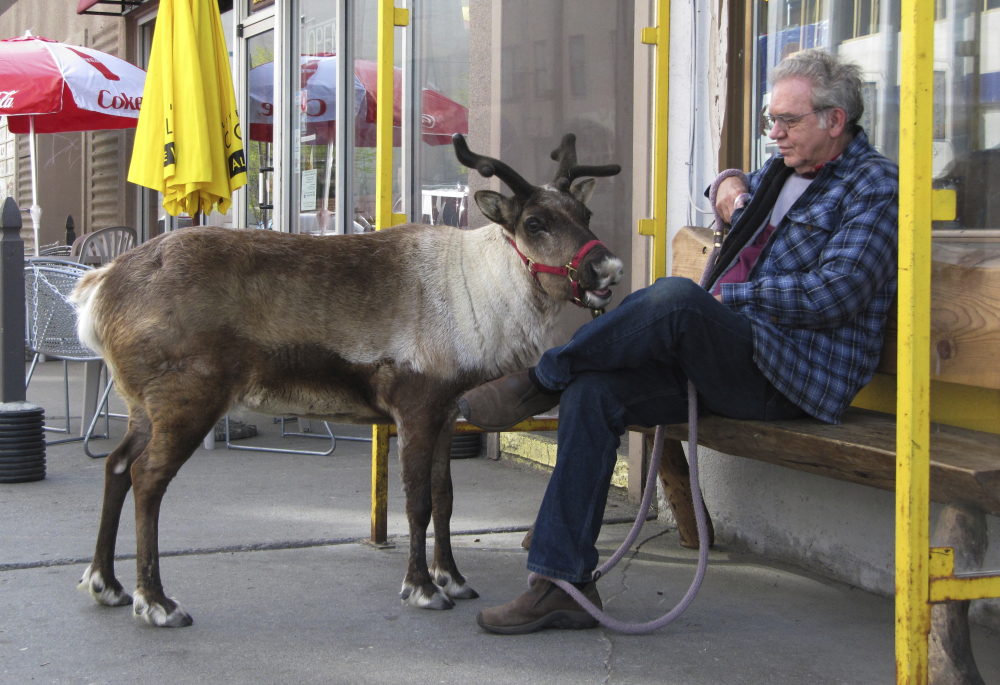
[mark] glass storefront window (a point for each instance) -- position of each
(314, 118)
(966, 84)
(440, 71)
(255, 5)
(564, 68)
(260, 143)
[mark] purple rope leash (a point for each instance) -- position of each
(647, 498)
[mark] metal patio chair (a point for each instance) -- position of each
(55, 251)
(51, 329)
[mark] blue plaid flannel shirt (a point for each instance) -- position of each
(820, 291)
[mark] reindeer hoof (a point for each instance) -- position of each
(102, 592)
(160, 614)
(450, 587)
(425, 599)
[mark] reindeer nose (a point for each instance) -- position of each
(610, 268)
(618, 273)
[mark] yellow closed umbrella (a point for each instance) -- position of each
(188, 144)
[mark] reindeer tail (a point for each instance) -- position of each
(84, 297)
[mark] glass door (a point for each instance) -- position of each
(317, 113)
(260, 105)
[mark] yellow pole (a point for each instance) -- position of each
(389, 16)
(380, 483)
(656, 227)
(913, 615)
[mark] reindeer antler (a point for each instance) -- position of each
(487, 166)
(565, 154)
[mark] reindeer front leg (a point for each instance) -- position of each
(444, 570)
(417, 442)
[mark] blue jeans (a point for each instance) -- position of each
(631, 367)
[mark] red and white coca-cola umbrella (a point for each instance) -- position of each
(50, 87)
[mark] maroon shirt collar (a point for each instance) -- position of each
(809, 175)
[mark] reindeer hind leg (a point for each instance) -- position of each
(99, 578)
(178, 428)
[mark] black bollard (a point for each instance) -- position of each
(22, 440)
(11, 305)
(70, 230)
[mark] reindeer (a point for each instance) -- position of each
(369, 328)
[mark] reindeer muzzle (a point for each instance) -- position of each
(569, 271)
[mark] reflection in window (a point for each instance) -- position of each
(866, 17)
(440, 194)
(543, 70)
(577, 66)
(512, 79)
(314, 123)
(803, 12)
(576, 63)
(966, 113)
(260, 161)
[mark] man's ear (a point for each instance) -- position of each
(836, 121)
(497, 208)
(583, 190)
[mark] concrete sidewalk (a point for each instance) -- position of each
(266, 552)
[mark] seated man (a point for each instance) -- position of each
(791, 323)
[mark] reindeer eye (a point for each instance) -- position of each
(533, 225)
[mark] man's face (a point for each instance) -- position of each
(804, 145)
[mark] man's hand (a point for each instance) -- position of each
(718, 296)
(725, 197)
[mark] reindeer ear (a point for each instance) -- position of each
(497, 208)
(583, 190)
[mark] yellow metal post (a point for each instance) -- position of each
(389, 17)
(657, 226)
(913, 615)
(380, 483)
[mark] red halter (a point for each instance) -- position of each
(569, 271)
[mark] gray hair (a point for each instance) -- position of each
(835, 82)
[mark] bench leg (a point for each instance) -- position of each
(676, 479)
(950, 659)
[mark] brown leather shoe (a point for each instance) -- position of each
(544, 605)
(505, 402)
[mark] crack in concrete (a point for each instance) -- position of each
(626, 562)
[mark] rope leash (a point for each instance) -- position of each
(701, 522)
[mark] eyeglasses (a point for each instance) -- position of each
(782, 122)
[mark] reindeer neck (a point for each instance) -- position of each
(507, 321)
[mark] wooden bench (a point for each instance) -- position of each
(965, 464)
